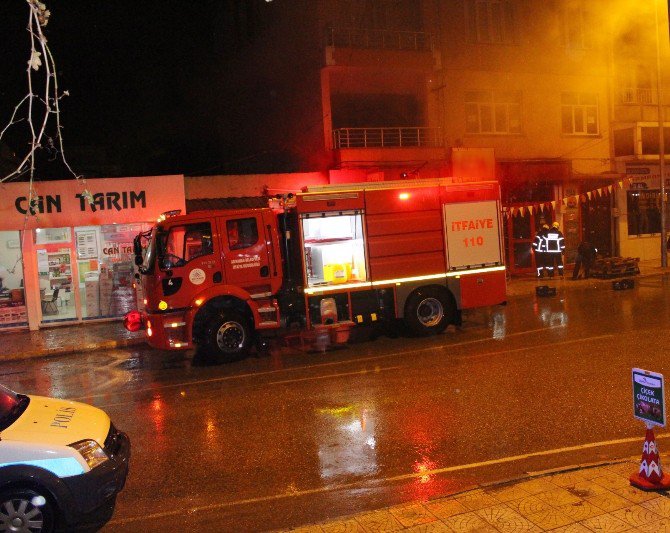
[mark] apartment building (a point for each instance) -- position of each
(557, 99)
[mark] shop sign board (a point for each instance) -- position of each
(648, 397)
(92, 202)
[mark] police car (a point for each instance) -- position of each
(62, 463)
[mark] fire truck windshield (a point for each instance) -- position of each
(148, 244)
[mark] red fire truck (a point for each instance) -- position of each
(333, 256)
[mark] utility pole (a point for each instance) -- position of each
(661, 138)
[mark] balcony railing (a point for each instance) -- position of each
(386, 137)
(636, 96)
(380, 39)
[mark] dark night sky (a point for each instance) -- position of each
(148, 80)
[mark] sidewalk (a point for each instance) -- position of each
(587, 499)
(23, 344)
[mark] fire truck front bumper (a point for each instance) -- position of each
(166, 331)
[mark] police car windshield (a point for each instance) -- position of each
(12, 406)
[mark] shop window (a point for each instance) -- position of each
(186, 243)
(579, 114)
(12, 297)
(242, 233)
(106, 268)
(644, 212)
(334, 250)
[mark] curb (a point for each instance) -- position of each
(68, 350)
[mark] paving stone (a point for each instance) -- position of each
(609, 501)
(581, 510)
(379, 521)
(572, 528)
(445, 508)
(343, 526)
(432, 527)
(469, 522)
(528, 505)
(586, 489)
(508, 493)
(413, 515)
(566, 479)
(535, 486)
(660, 526)
(558, 497)
(550, 519)
(606, 523)
(505, 519)
(635, 495)
(612, 482)
(659, 505)
(477, 500)
(636, 515)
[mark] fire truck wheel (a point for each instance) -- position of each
(229, 336)
(428, 311)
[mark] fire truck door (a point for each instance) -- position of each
(246, 258)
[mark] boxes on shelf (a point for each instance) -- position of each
(337, 272)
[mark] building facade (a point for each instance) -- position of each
(555, 99)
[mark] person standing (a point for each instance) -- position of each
(555, 246)
(586, 254)
(540, 249)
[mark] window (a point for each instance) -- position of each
(493, 113)
(185, 243)
(490, 21)
(644, 212)
(242, 233)
(576, 28)
(579, 114)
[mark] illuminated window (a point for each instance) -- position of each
(490, 112)
(334, 250)
(490, 21)
(579, 114)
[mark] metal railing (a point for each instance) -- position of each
(380, 39)
(386, 137)
(636, 95)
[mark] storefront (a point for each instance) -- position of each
(639, 209)
(72, 260)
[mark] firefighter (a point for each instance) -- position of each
(555, 246)
(540, 249)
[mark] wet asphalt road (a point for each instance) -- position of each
(293, 438)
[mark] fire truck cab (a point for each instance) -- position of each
(420, 251)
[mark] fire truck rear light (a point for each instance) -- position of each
(145, 301)
(198, 302)
(404, 196)
(150, 332)
(175, 324)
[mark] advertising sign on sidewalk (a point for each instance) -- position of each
(648, 397)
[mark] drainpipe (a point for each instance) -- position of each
(661, 140)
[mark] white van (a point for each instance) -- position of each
(62, 463)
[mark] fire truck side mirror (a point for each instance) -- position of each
(138, 260)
